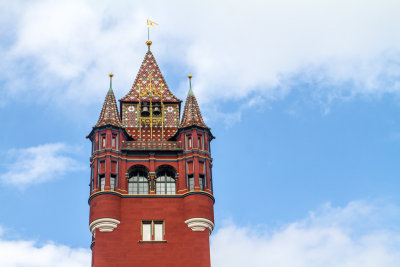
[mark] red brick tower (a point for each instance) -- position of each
(151, 199)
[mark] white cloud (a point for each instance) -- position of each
(64, 50)
(360, 234)
(38, 164)
(29, 254)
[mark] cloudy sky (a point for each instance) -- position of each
(303, 97)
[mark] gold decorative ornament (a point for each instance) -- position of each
(149, 91)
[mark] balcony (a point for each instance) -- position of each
(152, 146)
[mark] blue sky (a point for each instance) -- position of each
(303, 99)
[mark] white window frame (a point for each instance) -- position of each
(155, 234)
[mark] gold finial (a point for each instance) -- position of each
(148, 42)
(190, 76)
(111, 75)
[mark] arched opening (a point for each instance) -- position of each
(138, 182)
(165, 182)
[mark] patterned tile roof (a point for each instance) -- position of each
(191, 113)
(149, 72)
(109, 113)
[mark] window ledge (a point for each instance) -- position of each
(152, 241)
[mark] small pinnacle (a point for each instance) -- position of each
(190, 84)
(111, 76)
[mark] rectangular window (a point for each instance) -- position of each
(191, 182)
(114, 141)
(200, 142)
(152, 231)
(146, 231)
(201, 182)
(103, 141)
(188, 141)
(158, 231)
(113, 180)
(102, 181)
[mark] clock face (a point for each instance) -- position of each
(170, 109)
(131, 109)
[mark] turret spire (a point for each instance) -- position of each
(109, 113)
(191, 113)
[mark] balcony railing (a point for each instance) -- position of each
(152, 145)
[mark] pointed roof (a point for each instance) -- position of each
(191, 114)
(109, 113)
(150, 73)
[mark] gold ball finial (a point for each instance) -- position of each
(149, 43)
(111, 75)
(190, 76)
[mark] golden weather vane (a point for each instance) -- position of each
(150, 24)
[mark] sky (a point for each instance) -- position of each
(302, 96)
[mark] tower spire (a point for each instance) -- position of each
(191, 114)
(109, 113)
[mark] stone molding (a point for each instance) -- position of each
(104, 225)
(200, 224)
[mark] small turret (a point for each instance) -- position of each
(109, 113)
(191, 113)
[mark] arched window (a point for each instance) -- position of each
(138, 182)
(165, 183)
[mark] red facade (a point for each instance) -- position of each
(151, 201)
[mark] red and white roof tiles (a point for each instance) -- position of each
(191, 114)
(149, 68)
(109, 113)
